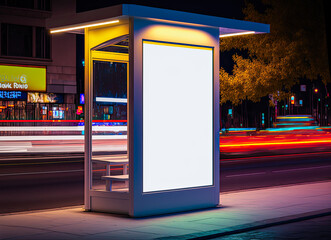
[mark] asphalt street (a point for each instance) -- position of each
(267, 171)
(42, 182)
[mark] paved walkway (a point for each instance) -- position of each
(239, 212)
(316, 228)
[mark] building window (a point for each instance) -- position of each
(17, 41)
(42, 43)
(18, 3)
(44, 5)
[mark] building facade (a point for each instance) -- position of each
(37, 70)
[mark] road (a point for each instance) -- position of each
(267, 171)
(40, 183)
(51, 181)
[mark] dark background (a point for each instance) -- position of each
(221, 8)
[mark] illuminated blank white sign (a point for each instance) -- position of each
(177, 116)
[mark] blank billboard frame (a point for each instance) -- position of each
(189, 67)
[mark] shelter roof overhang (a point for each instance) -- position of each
(76, 23)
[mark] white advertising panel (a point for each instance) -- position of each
(177, 116)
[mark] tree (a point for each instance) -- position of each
(272, 63)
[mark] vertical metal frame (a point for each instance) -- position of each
(131, 115)
(88, 124)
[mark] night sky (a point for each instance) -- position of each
(220, 8)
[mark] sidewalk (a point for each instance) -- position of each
(239, 212)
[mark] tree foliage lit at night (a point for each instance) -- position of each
(272, 63)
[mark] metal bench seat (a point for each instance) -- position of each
(116, 177)
(110, 179)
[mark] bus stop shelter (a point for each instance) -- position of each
(161, 67)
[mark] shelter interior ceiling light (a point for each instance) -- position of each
(236, 34)
(83, 26)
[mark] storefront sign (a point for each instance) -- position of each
(302, 88)
(44, 98)
(79, 110)
(12, 95)
(82, 98)
(21, 78)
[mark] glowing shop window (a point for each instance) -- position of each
(177, 116)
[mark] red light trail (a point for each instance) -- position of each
(274, 142)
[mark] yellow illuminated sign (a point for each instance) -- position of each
(22, 78)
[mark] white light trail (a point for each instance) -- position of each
(61, 128)
(59, 137)
(111, 100)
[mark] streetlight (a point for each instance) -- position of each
(317, 101)
(314, 90)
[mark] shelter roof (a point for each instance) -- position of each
(123, 11)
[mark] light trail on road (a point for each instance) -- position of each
(38, 173)
(275, 144)
(112, 138)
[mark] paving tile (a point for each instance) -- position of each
(48, 236)
(14, 231)
(121, 235)
(25, 221)
(193, 226)
(87, 228)
(164, 230)
(236, 216)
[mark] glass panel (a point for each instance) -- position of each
(40, 42)
(18, 3)
(117, 45)
(17, 40)
(44, 5)
(109, 126)
(4, 38)
(110, 79)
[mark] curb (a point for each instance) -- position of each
(253, 226)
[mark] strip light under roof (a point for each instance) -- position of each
(83, 26)
(236, 34)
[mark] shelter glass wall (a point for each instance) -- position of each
(107, 65)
